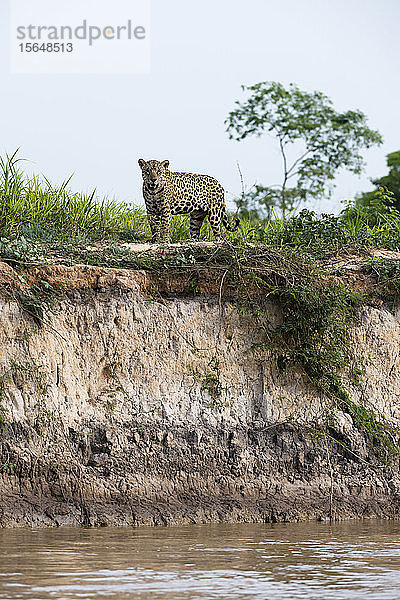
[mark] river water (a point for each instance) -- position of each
(286, 561)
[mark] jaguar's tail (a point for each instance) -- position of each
(226, 224)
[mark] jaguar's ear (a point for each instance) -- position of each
(141, 163)
(165, 164)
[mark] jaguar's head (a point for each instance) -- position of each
(154, 173)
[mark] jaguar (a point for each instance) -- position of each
(169, 193)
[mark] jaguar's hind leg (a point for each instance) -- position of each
(196, 221)
(215, 222)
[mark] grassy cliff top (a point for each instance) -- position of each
(41, 223)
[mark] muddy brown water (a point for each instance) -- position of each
(306, 560)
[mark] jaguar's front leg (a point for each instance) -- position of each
(154, 222)
(165, 224)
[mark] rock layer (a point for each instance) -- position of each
(127, 408)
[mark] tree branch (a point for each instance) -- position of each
(298, 160)
(285, 176)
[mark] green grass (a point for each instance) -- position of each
(33, 206)
(34, 209)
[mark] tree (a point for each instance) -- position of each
(325, 140)
(391, 182)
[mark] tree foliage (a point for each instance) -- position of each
(377, 209)
(390, 182)
(325, 140)
(257, 203)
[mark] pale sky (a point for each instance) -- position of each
(97, 126)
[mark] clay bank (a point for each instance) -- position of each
(133, 396)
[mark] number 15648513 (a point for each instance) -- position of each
(46, 47)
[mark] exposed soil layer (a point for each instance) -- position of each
(133, 400)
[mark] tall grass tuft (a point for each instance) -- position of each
(33, 203)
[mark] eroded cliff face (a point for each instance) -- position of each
(127, 408)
